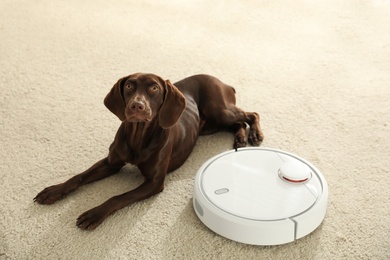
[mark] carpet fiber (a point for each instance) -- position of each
(318, 73)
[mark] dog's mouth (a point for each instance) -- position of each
(138, 120)
(144, 116)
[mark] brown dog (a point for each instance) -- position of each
(160, 125)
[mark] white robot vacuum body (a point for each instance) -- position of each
(260, 196)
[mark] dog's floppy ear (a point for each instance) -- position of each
(172, 107)
(114, 100)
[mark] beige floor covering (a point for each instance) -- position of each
(318, 72)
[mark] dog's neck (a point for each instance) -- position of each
(141, 135)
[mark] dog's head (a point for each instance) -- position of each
(141, 97)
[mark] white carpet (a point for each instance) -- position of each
(318, 72)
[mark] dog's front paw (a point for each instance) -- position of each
(50, 194)
(91, 219)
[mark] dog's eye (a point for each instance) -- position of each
(129, 86)
(154, 88)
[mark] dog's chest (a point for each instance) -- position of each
(143, 140)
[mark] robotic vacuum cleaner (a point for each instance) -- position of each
(260, 196)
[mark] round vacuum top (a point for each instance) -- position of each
(260, 184)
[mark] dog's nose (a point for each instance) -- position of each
(137, 106)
